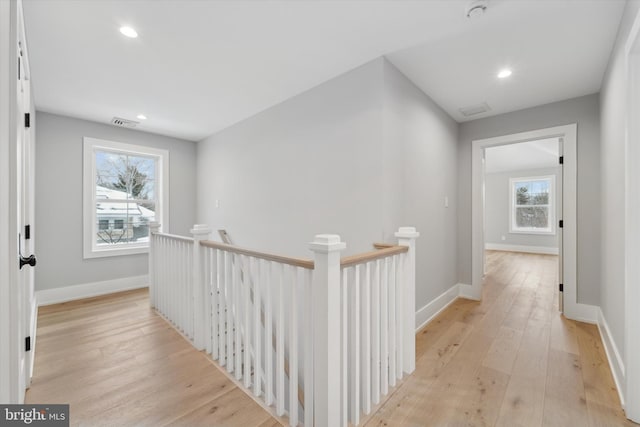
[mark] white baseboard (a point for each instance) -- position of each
(467, 292)
(521, 248)
(615, 359)
(88, 290)
(431, 310)
(581, 312)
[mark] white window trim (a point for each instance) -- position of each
(90, 248)
(551, 230)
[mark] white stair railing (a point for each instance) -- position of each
(320, 340)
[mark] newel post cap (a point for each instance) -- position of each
(407, 233)
(326, 243)
(200, 230)
(154, 226)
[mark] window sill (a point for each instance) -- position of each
(104, 253)
(533, 232)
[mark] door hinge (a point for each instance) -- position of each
(27, 344)
(27, 120)
(27, 232)
(560, 223)
(561, 159)
(561, 287)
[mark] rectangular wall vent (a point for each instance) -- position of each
(475, 109)
(117, 121)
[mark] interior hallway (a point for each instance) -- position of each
(117, 363)
(510, 360)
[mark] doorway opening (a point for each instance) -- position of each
(522, 204)
(568, 274)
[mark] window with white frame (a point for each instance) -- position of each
(125, 189)
(532, 205)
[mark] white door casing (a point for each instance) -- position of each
(572, 308)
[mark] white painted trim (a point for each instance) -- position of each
(569, 206)
(585, 313)
(90, 145)
(521, 248)
(632, 224)
(613, 355)
(551, 206)
(426, 314)
(88, 290)
(465, 291)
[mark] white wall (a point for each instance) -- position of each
(498, 210)
(585, 112)
(359, 156)
(58, 230)
(613, 100)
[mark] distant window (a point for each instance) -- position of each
(125, 187)
(532, 205)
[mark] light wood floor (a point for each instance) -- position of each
(510, 360)
(117, 363)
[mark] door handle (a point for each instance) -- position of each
(31, 259)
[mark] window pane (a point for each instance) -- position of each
(532, 192)
(123, 223)
(132, 176)
(532, 217)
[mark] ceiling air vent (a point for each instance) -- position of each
(475, 109)
(117, 121)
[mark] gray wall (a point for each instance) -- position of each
(613, 98)
(585, 112)
(58, 229)
(498, 210)
(358, 156)
(421, 138)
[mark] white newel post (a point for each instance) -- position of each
(154, 227)
(200, 232)
(326, 329)
(407, 237)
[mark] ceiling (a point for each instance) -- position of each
(542, 153)
(199, 66)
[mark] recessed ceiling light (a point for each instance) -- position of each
(129, 32)
(503, 74)
(141, 117)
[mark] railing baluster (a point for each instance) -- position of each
(399, 316)
(280, 345)
(268, 334)
(354, 345)
(246, 307)
(237, 296)
(293, 349)
(384, 329)
(366, 340)
(344, 302)
(213, 296)
(392, 322)
(375, 340)
(229, 278)
(257, 327)
(308, 349)
(222, 307)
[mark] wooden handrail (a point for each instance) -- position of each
(370, 256)
(297, 262)
(383, 245)
(175, 237)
